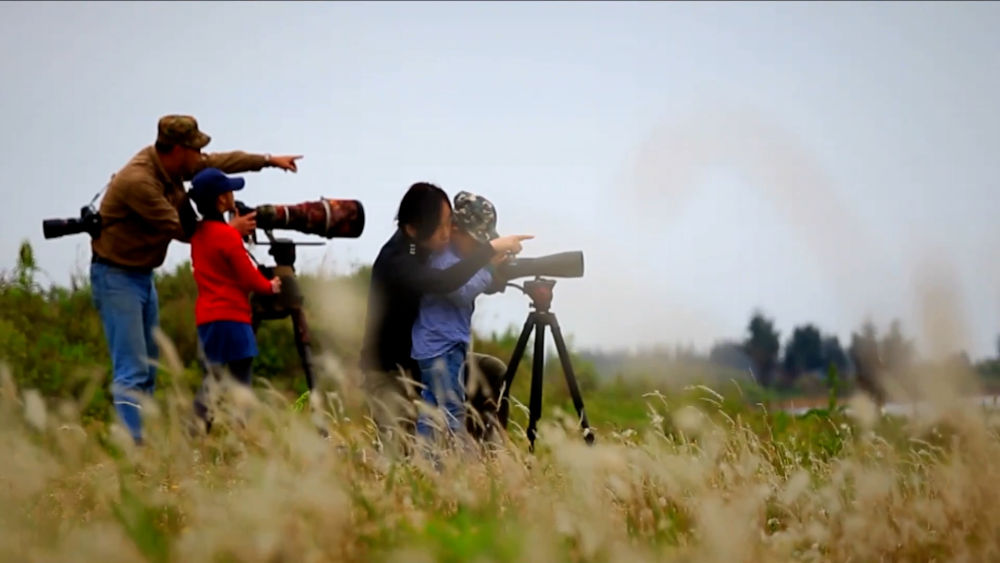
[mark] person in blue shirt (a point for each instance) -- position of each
(442, 331)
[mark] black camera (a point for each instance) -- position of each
(89, 222)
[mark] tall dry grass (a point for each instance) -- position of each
(698, 482)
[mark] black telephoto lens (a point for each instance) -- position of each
(55, 228)
(562, 265)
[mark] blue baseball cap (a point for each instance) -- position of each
(210, 183)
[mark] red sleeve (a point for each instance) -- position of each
(245, 271)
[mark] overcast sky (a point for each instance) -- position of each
(823, 162)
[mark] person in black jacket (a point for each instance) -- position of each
(400, 276)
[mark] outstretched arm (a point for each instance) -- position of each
(406, 271)
(240, 161)
(465, 295)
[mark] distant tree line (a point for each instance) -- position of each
(808, 350)
(869, 359)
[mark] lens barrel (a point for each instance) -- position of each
(55, 228)
(561, 265)
(328, 218)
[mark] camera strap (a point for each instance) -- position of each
(107, 223)
(252, 257)
(101, 191)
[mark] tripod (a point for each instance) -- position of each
(286, 304)
(540, 292)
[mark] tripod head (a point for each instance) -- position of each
(283, 252)
(540, 291)
(267, 307)
(283, 249)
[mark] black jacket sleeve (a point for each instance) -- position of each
(499, 283)
(405, 270)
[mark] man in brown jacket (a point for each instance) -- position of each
(146, 207)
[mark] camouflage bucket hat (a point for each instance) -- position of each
(475, 215)
(181, 130)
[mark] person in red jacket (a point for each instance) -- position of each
(225, 275)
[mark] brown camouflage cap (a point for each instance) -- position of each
(475, 215)
(181, 130)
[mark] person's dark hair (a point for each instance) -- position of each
(421, 208)
(206, 206)
(163, 148)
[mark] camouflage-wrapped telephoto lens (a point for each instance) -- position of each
(328, 218)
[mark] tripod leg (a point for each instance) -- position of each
(301, 330)
(537, 371)
(574, 389)
(503, 408)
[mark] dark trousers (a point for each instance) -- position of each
(240, 370)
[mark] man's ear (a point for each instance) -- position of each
(410, 231)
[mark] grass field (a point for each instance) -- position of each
(686, 476)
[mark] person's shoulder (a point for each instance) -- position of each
(226, 230)
(134, 177)
(218, 231)
(200, 236)
(138, 168)
(202, 230)
(130, 176)
(391, 250)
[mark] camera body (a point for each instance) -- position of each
(89, 222)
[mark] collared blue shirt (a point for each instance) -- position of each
(445, 320)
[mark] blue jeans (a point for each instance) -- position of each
(443, 387)
(129, 309)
